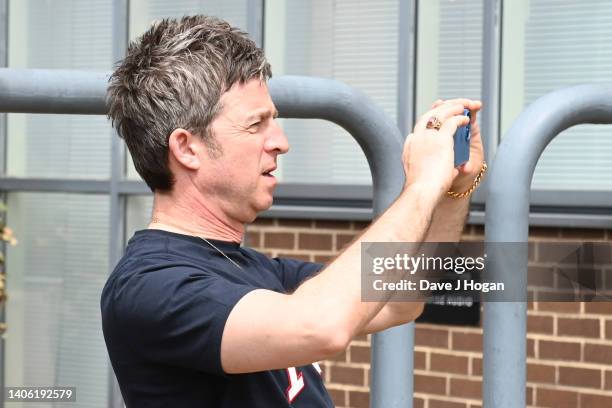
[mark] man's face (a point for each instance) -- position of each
(239, 179)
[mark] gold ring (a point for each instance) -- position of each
(433, 123)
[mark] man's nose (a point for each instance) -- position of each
(277, 140)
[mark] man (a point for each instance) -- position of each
(190, 318)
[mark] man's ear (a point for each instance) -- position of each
(184, 147)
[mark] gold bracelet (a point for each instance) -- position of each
(475, 184)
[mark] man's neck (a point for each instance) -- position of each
(193, 218)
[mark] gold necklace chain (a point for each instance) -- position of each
(155, 220)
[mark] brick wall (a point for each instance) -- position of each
(569, 345)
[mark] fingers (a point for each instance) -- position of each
(442, 112)
(437, 103)
(450, 125)
(436, 110)
(474, 114)
(472, 105)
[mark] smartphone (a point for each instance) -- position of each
(462, 142)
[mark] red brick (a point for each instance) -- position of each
(347, 375)
(321, 242)
(578, 327)
(420, 360)
(282, 240)
(324, 259)
(598, 353)
(332, 224)
(540, 373)
(540, 277)
(598, 307)
(434, 403)
(540, 324)
(447, 363)
(556, 398)
(608, 380)
(477, 366)
(595, 401)
(338, 396)
(467, 341)
(253, 238)
(530, 348)
(340, 357)
(465, 388)
(429, 384)
(293, 222)
(559, 307)
(431, 337)
(529, 395)
(418, 403)
(580, 377)
(343, 239)
(556, 350)
(360, 354)
(609, 329)
(359, 399)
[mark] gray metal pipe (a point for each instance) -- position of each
(506, 220)
(80, 92)
(52, 91)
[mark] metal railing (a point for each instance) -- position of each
(506, 220)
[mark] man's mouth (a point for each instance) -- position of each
(269, 172)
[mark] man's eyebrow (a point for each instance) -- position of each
(261, 113)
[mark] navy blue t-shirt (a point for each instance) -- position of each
(164, 309)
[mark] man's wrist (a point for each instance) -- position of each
(466, 192)
(425, 193)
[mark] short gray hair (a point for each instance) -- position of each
(173, 77)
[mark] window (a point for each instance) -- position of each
(356, 42)
(64, 34)
(449, 51)
(549, 45)
(58, 269)
(54, 279)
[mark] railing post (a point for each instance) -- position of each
(507, 220)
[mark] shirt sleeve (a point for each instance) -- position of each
(293, 272)
(177, 315)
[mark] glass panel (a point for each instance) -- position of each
(61, 34)
(354, 42)
(55, 276)
(145, 12)
(138, 214)
(449, 51)
(549, 45)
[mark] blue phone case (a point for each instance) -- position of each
(462, 142)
